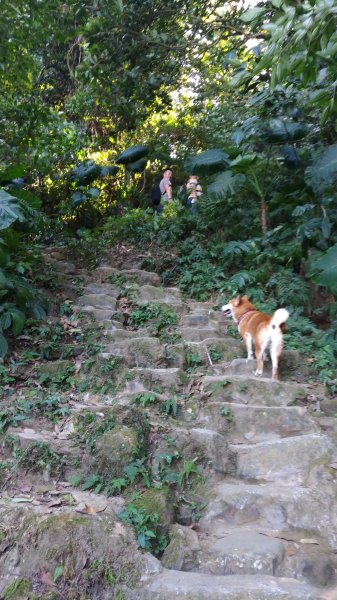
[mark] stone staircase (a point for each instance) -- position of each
(269, 529)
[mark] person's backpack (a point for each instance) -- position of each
(155, 195)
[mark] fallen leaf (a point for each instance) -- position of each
(289, 551)
(19, 499)
(46, 577)
(78, 366)
(88, 509)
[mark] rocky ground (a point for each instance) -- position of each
(156, 465)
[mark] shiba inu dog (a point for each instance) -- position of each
(258, 330)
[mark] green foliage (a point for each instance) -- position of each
(281, 131)
(323, 170)
(39, 457)
(226, 412)
(146, 527)
(90, 426)
(207, 163)
(132, 155)
(145, 399)
(323, 269)
(9, 210)
(162, 320)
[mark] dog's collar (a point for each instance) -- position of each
(245, 314)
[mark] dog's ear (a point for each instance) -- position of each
(237, 300)
(245, 298)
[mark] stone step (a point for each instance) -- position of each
(138, 351)
(242, 422)
(290, 360)
(286, 459)
(26, 437)
(179, 354)
(101, 288)
(104, 301)
(118, 335)
(150, 293)
(200, 586)
(200, 307)
(170, 379)
(245, 552)
(249, 551)
(132, 275)
(197, 319)
(101, 315)
(271, 506)
(252, 390)
(200, 334)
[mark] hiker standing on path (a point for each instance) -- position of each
(166, 186)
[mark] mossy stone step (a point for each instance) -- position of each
(201, 586)
(252, 390)
(98, 301)
(243, 423)
(273, 506)
(289, 459)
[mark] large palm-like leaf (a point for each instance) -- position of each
(138, 166)
(207, 163)
(323, 172)
(9, 210)
(324, 269)
(86, 172)
(225, 184)
(132, 154)
(279, 131)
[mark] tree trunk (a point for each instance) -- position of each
(264, 216)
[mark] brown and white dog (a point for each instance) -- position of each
(259, 330)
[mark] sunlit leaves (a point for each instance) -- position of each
(9, 210)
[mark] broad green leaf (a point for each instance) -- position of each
(225, 184)
(86, 172)
(252, 13)
(323, 172)
(243, 162)
(12, 173)
(138, 166)
(280, 130)
(324, 269)
(94, 192)
(132, 154)
(9, 210)
(38, 312)
(3, 346)
(3, 279)
(109, 170)
(5, 321)
(207, 163)
(28, 198)
(58, 572)
(77, 198)
(18, 320)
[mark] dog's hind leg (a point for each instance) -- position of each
(249, 345)
(275, 353)
(261, 346)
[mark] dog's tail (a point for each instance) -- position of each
(279, 317)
